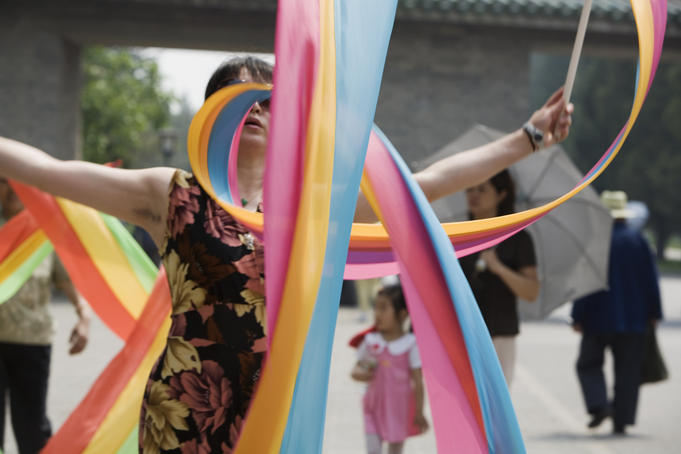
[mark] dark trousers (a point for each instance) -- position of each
(24, 372)
(627, 350)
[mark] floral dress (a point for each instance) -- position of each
(201, 386)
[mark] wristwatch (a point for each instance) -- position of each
(535, 135)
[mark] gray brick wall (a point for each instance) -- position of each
(39, 87)
(440, 77)
(440, 80)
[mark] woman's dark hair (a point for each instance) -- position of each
(395, 295)
(260, 70)
(502, 181)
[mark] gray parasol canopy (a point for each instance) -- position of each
(572, 242)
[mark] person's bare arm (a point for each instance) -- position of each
(477, 165)
(419, 397)
(137, 196)
(81, 331)
(472, 167)
(524, 283)
(362, 372)
(461, 170)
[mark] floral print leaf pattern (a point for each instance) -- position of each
(255, 302)
(250, 373)
(234, 431)
(183, 204)
(184, 292)
(163, 416)
(204, 267)
(201, 387)
(180, 356)
(213, 331)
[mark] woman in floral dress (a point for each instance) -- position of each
(200, 388)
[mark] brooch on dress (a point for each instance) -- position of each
(248, 240)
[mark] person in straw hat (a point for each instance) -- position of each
(617, 318)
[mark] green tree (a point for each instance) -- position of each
(183, 113)
(123, 107)
(649, 164)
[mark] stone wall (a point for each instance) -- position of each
(440, 78)
(39, 87)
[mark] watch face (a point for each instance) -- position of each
(538, 137)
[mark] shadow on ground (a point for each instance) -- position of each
(567, 437)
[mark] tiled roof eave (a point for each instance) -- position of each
(529, 22)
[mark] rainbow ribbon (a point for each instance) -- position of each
(126, 290)
(471, 407)
(310, 218)
(107, 419)
(23, 246)
(104, 262)
(370, 251)
(331, 54)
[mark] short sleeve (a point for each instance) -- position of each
(362, 351)
(525, 250)
(414, 357)
(184, 203)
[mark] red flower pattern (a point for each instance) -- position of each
(208, 395)
(219, 224)
(183, 205)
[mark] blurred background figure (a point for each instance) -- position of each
(389, 361)
(147, 243)
(366, 290)
(348, 297)
(617, 318)
(639, 214)
(26, 331)
(498, 276)
(571, 242)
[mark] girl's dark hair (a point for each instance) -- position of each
(502, 181)
(260, 70)
(395, 295)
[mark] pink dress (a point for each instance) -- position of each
(389, 404)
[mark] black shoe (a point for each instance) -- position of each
(598, 418)
(619, 430)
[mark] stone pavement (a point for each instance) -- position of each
(545, 391)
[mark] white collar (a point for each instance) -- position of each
(376, 344)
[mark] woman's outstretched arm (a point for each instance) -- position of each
(137, 196)
(471, 167)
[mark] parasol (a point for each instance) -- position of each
(572, 242)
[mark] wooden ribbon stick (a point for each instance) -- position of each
(576, 50)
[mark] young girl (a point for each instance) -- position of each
(389, 361)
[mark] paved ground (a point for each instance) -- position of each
(545, 393)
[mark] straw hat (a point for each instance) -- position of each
(616, 202)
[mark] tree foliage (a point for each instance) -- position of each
(649, 164)
(123, 106)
